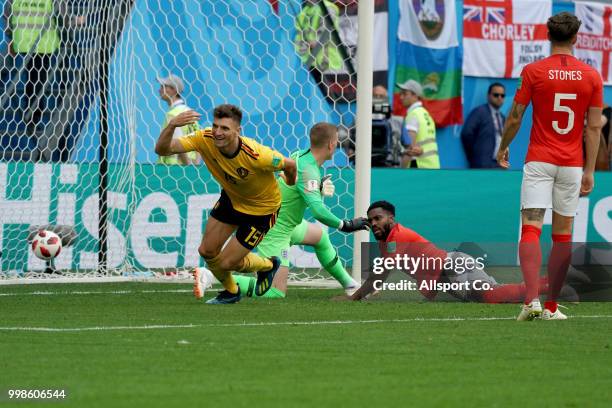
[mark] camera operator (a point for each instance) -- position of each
(386, 132)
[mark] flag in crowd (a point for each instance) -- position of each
(428, 52)
(594, 44)
(500, 37)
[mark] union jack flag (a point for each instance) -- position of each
(484, 14)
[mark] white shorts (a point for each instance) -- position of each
(547, 185)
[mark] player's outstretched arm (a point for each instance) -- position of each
(367, 288)
(356, 224)
(311, 187)
(513, 124)
(166, 145)
(312, 196)
(591, 144)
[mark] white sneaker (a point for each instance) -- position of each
(557, 315)
(351, 288)
(202, 280)
(531, 311)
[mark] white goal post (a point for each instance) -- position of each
(81, 112)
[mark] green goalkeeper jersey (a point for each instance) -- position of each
(306, 193)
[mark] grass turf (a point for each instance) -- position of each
(368, 354)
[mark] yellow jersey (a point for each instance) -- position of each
(247, 177)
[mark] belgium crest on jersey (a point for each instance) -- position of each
(242, 172)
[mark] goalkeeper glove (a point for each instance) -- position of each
(356, 224)
(327, 186)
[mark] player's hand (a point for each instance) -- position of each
(356, 224)
(355, 297)
(588, 182)
(327, 186)
(502, 158)
(185, 118)
(414, 150)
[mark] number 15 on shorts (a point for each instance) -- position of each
(254, 237)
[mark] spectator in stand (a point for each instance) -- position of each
(380, 92)
(31, 31)
(604, 156)
(481, 133)
(314, 41)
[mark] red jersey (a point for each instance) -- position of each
(399, 233)
(562, 88)
(402, 240)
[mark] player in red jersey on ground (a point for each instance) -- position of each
(468, 276)
(564, 92)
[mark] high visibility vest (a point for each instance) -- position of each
(310, 27)
(426, 138)
(33, 27)
(175, 110)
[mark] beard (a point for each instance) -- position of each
(383, 233)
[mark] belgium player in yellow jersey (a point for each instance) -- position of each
(250, 197)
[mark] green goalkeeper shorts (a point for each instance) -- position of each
(278, 241)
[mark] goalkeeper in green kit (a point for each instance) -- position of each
(291, 229)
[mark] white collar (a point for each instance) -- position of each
(177, 102)
(415, 105)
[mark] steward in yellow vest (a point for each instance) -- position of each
(419, 133)
(170, 91)
(33, 27)
(313, 40)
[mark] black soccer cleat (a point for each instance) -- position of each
(264, 279)
(225, 298)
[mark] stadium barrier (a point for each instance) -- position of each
(155, 226)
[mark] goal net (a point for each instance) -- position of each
(82, 109)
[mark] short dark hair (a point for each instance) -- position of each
(321, 133)
(562, 27)
(493, 85)
(385, 205)
(228, 111)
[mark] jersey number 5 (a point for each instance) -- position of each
(559, 107)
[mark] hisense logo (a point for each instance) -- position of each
(152, 228)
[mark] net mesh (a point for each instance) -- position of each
(82, 107)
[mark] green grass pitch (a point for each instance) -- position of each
(153, 345)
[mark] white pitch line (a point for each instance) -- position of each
(101, 328)
(263, 324)
(110, 292)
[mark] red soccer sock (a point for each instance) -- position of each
(530, 255)
(560, 258)
(550, 305)
(511, 292)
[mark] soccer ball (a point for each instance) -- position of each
(46, 245)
